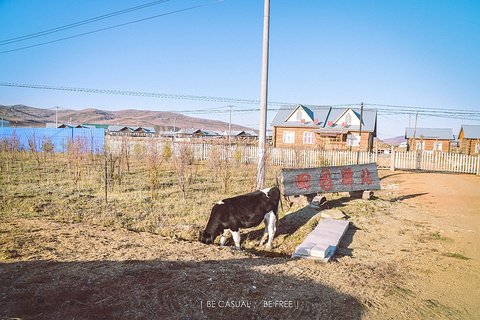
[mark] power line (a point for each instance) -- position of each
(450, 113)
(112, 27)
(141, 94)
(79, 23)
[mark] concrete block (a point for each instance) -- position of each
(320, 250)
(304, 248)
(322, 242)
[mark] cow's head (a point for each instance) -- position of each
(214, 227)
(206, 238)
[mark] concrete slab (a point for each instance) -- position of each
(322, 242)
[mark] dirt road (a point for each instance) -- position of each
(450, 206)
(412, 253)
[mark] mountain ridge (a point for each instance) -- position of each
(25, 116)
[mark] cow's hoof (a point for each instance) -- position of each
(268, 247)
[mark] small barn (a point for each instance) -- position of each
(469, 137)
(4, 123)
(429, 139)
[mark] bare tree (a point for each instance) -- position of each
(76, 151)
(34, 150)
(154, 163)
(181, 161)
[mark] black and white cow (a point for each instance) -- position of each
(244, 211)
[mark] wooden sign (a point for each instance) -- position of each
(360, 177)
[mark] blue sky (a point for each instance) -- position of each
(420, 54)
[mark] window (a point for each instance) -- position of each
(308, 137)
(420, 145)
(348, 118)
(353, 140)
(288, 137)
(477, 147)
(437, 146)
(299, 115)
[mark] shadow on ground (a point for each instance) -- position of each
(161, 289)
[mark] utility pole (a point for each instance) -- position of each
(415, 131)
(262, 134)
(56, 117)
(360, 134)
(230, 127)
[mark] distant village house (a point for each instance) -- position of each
(131, 131)
(469, 137)
(429, 139)
(321, 127)
(204, 134)
(67, 126)
(4, 123)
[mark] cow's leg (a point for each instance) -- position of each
(265, 232)
(224, 237)
(236, 238)
(272, 227)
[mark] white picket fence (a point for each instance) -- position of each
(446, 162)
(437, 161)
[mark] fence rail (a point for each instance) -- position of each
(438, 161)
(432, 161)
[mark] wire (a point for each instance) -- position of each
(79, 23)
(383, 110)
(141, 94)
(111, 27)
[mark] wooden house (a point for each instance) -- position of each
(323, 127)
(241, 135)
(131, 131)
(469, 137)
(429, 139)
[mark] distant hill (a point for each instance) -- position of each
(25, 116)
(395, 141)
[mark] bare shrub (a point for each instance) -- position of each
(124, 154)
(48, 148)
(181, 160)
(167, 151)
(154, 163)
(9, 152)
(76, 151)
(219, 162)
(33, 146)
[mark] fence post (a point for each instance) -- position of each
(106, 181)
(478, 165)
(418, 160)
(392, 160)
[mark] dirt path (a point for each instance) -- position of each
(449, 204)
(413, 253)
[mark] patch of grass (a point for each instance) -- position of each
(127, 199)
(438, 236)
(455, 255)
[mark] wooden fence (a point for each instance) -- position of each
(431, 161)
(437, 161)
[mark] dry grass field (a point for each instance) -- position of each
(67, 250)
